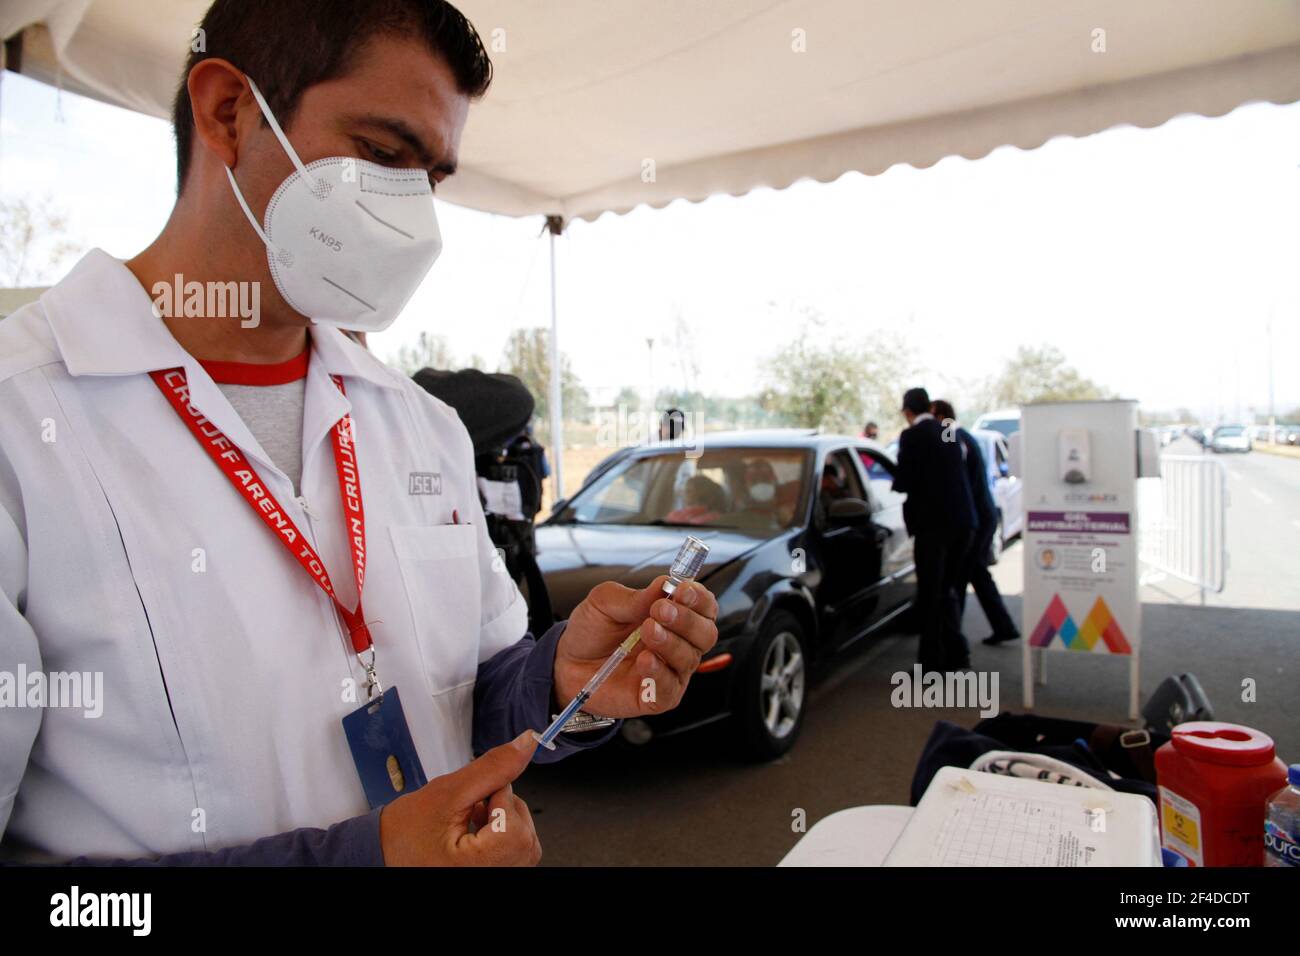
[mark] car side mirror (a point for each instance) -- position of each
(559, 505)
(1004, 469)
(849, 511)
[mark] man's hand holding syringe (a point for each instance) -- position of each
(597, 666)
(445, 821)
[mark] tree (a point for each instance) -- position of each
(816, 381)
(1038, 374)
(528, 356)
(429, 351)
(33, 242)
(628, 397)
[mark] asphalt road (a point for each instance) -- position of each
(687, 801)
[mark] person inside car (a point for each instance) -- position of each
(758, 498)
(833, 484)
(705, 501)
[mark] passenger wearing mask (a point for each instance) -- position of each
(760, 483)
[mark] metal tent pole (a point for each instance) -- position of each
(555, 226)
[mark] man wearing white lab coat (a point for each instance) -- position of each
(127, 556)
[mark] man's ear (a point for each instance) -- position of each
(217, 95)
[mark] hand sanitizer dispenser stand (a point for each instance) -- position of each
(1079, 464)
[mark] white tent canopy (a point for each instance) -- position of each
(603, 105)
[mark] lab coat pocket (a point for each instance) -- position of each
(440, 571)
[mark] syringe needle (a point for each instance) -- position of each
(687, 564)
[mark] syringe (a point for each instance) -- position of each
(687, 564)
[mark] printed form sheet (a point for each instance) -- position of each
(968, 818)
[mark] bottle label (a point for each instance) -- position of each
(1280, 845)
(1181, 827)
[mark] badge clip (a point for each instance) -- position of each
(373, 686)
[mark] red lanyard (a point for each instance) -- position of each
(174, 386)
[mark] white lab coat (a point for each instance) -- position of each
(124, 550)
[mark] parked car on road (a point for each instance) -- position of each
(808, 555)
(1230, 438)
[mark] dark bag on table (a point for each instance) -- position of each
(1121, 757)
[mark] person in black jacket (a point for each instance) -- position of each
(977, 570)
(940, 515)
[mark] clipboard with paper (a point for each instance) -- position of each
(971, 818)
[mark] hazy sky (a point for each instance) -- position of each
(1152, 258)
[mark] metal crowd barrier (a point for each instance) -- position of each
(1184, 532)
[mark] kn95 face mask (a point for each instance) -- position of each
(348, 241)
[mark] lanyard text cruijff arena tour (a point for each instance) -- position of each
(377, 732)
(241, 473)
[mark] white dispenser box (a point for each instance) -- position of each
(1080, 468)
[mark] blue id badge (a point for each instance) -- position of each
(383, 750)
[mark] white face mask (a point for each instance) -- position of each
(762, 492)
(348, 241)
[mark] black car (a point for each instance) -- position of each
(808, 555)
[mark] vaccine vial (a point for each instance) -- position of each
(687, 564)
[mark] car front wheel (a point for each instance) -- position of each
(773, 694)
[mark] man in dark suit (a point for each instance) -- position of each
(940, 515)
(977, 569)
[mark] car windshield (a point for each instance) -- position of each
(751, 488)
(1228, 431)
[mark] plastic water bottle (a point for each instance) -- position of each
(1282, 823)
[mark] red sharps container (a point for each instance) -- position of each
(1214, 781)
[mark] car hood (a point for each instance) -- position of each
(574, 558)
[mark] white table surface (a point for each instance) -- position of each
(858, 836)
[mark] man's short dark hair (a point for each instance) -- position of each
(673, 422)
(916, 401)
(943, 410)
(288, 45)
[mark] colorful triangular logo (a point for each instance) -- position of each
(1056, 626)
(1055, 620)
(1100, 625)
